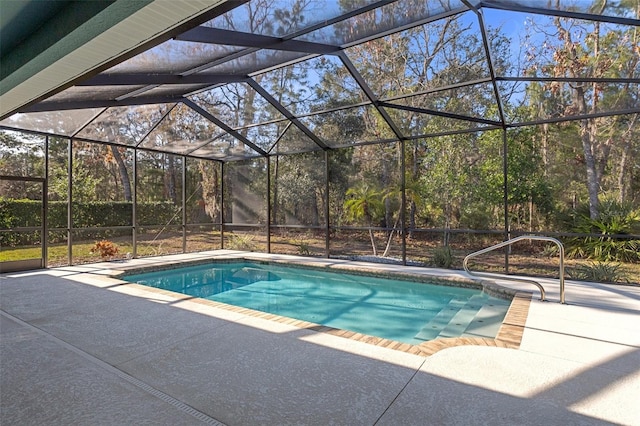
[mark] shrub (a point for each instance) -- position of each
(241, 242)
(304, 249)
(93, 214)
(19, 213)
(550, 250)
(599, 272)
(106, 249)
(443, 257)
(615, 219)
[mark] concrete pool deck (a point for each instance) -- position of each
(78, 348)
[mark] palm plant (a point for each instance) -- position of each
(615, 221)
(365, 203)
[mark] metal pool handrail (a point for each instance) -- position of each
(510, 242)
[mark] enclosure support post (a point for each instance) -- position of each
(505, 195)
(222, 205)
(268, 204)
(326, 204)
(45, 205)
(184, 204)
(134, 218)
(403, 201)
(69, 203)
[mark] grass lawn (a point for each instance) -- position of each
(81, 252)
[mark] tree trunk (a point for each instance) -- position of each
(412, 203)
(412, 217)
(588, 137)
(314, 210)
(274, 207)
(124, 176)
(170, 180)
(622, 173)
(623, 182)
(388, 247)
(210, 188)
(588, 128)
(593, 183)
(373, 242)
(545, 148)
(388, 214)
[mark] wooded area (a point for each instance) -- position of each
(571, 156)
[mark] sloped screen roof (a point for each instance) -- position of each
(285, 76)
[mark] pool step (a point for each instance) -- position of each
(462, 318)
(487, 321)
(433, 328)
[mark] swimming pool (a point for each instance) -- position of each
(404, 311)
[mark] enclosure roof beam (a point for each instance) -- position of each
(453, 132)
(135, 79)
(307, 30)
(407, 26)
(269, 98)
(100, 103)
(335, 20)
(206, 114)
(232, 38)
(575, 117)
(614, 80)
(489, 58)
(441, 114)
(88, 122)
(156, 124)
(438, 89)
(369, 93)
(515, 7)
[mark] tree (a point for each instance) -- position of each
(529, 190)
(300, 184)
(589, 50)
(21, 155)
(210, 185)
(365, 202)
(419, 61)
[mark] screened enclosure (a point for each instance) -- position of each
(411, 130)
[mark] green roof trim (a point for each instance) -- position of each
(61, 35)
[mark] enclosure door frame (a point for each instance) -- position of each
(30, 264)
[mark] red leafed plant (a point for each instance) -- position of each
(106, 249)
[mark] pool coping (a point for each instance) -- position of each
(509, 334)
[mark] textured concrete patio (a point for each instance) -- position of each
(79, 348)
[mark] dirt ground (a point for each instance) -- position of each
(528, 258)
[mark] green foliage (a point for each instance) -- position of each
(157, 213)
(605, 249)
(304, 249)
(297, 182)
(101, 213)
(525, 174)
(449, 181)
(606, 272)
(19, 213)
(477, 215)
(57, 214)
(550, 250)
(364, 202)
(443, 257)
(615, 219)
(96, 214)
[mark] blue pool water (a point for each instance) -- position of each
(404, 311)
